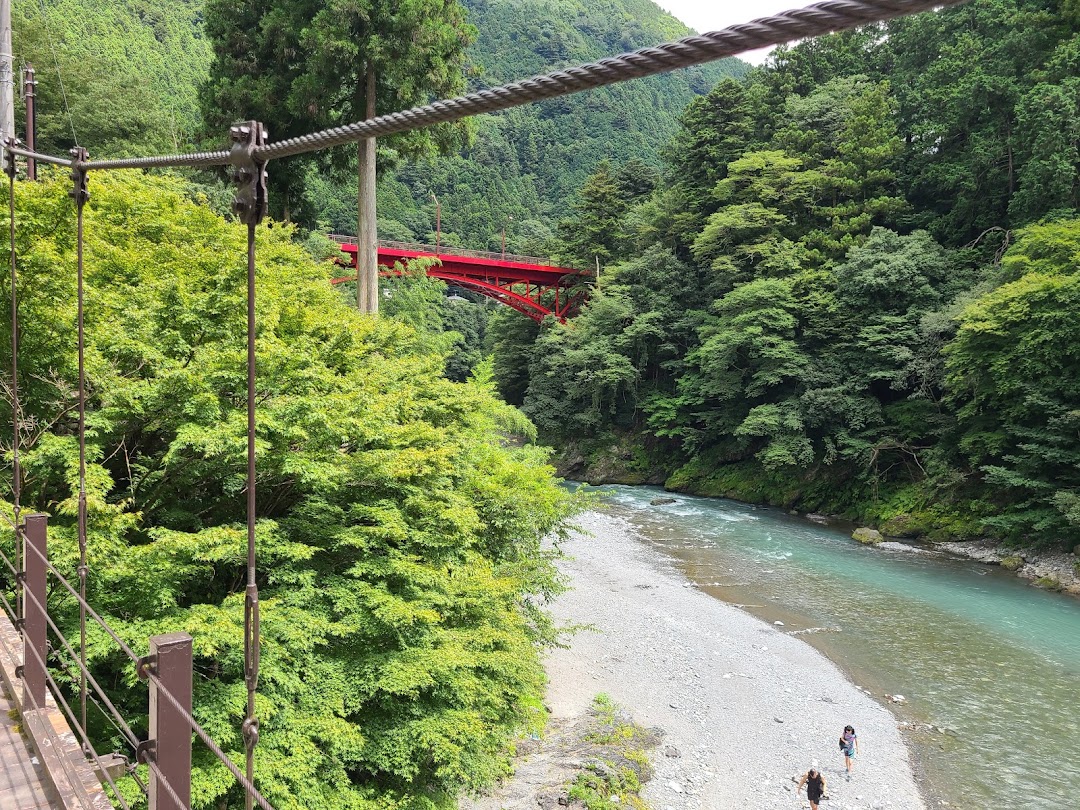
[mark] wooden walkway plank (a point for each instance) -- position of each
(21, 786)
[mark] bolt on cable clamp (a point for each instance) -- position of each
(249, 174)
(146, 666)
(250, 731)
(79, 193)
(9, 156)
(145, 751)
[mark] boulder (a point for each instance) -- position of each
(1076, 549)
(1012, 562)
(661, 501)
(1048, 584)
(867, 536)
(901, 526)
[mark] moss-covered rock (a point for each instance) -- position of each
(610, 459)
(1048, 584)
(867, 536)
(904, 525)
(1012, 562)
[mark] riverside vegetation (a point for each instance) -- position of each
(853, 291)
(398, 534)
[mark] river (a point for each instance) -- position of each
(990, 662)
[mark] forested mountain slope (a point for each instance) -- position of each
(525, 164)
(127, 72)
(854, 292)
(130, 73)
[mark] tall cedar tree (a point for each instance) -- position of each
(298, 65)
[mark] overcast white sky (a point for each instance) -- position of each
(712, 15)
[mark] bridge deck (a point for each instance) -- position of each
(21, 786)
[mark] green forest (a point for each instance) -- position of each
(842, 282)
(851, 291)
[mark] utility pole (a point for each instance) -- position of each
(7, 83)
(438, 220)
(29, 91)
(505, 222)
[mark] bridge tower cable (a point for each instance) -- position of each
(81, 196)
(7, 73)
(250, 206)
(16, 415)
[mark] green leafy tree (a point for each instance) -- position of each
(595, 232)
(1048, 123)
(1013, 373)
(961, 76)
(398, 532)
(714, 132)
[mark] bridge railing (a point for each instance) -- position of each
(446, 250)
(167, 669)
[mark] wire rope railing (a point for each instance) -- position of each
(248, 156)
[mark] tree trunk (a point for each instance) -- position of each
(367, 270)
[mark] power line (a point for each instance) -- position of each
(56, 62)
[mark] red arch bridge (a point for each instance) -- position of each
(526, 283)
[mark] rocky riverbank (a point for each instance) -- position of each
(1050, 570)
(621, 460)
(742, 707)
(1055, 571)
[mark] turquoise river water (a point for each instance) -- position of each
(991, 662)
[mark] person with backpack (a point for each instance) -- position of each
(849, 746)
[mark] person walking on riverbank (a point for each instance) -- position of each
(815, 787)
(849, 745)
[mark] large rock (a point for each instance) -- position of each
(661, 501)
(901, 526)
(1012, 562)
(868, 536)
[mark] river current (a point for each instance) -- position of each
(991, 663)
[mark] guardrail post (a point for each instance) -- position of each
(170, 657)
(34, 624)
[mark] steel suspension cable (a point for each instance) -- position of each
(58, 696)
(40, 157)
(815, 20)
(132, 738)
(7, 562)
(81, 195)
(16, 415)
(52, 737)
(93, 614)
(213, 747)
(251, 593)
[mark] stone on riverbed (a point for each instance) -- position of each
(901, 526)
(661, 501)
(1012, 562)
(868, 536)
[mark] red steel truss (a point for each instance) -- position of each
(525, 283)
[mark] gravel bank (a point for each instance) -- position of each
(743, 706)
